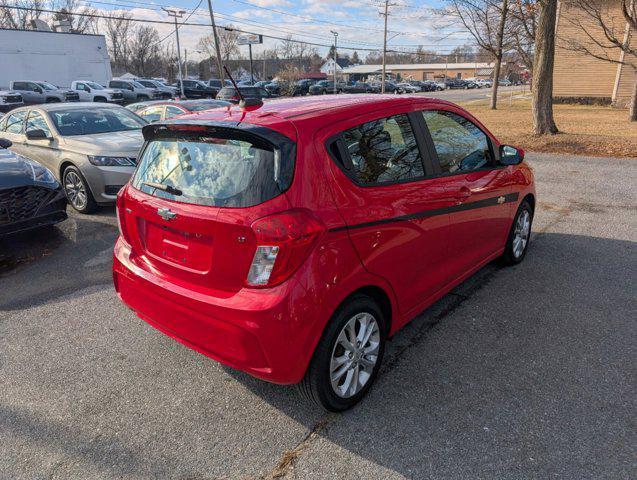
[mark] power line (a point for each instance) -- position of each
(238, 30)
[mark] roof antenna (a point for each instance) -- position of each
(243, 102)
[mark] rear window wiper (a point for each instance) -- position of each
(166, 188)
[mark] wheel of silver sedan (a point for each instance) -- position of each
(354, 355)
(521, 233)
(75, 190)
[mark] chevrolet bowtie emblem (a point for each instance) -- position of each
(500, 200)
(166, 213)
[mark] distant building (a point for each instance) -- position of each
(328, 67)
(55, 57)
(424, 71)
(578, 75)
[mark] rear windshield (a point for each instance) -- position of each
(222, 172)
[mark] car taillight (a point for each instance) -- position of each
(284, 240)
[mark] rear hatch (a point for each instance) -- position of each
(189, 209)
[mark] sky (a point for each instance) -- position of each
(358, 22)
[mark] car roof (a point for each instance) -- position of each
(282, 113)
(51, 107)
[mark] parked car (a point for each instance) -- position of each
(273, 88)
(91, 148)
(503, 82)
(355, 87)
(390, 87)
(229, 94)
(167, 92)
(456, 83)
(9, 100)
(135, 107)
(42, 92)
(293, 243)
(406, 87)
(322, 87)
(30, 196)
(216, 83)
(302, 87)
(94, 92)
(134, 91)
(170, 109)
(196, 89)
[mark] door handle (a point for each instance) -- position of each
(463, 194)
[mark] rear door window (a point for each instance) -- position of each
(384, 151)
(226, 172)
(461, 146)
(15, 122)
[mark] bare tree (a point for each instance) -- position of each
(485, 20)
(19, 18)
(286, 48)
(119, 28)
(522, 28)
(542, 104)
(228, 44)
(79, 16)
(145, 51)
(617, 38)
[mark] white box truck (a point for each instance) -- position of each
(55, 57)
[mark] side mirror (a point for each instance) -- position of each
(511, 155)
(87, 89)
(36, 134)
(37, 90)
(5, 143)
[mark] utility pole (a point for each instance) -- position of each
(177, 14)
(386, 14)
(251, 68)
(214, 34)
(186, 62)
(335, 33)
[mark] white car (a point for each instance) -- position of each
(408, 87)
(94, 92)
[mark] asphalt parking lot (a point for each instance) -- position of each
(526, 372)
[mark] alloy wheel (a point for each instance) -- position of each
(521, 233)
(75, 190)
(354, 355)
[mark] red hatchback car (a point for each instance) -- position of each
(290, 240)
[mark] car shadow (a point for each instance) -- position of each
(520, 371)
(39, 265)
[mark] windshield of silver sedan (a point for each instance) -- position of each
(83, 121)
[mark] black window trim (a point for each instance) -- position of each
(434, 154)
(346, 165)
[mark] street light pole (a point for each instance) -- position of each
(335, 56)
(386, 14)
(177, 14)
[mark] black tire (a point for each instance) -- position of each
(509, 257)
(53, 100)
(100, 100)
(316, 385)
(70, 175)
(142, 98)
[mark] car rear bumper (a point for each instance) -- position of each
(262, 332)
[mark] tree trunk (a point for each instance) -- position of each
(543, 122)
(496, 78)
(633, 102)
(498, 59)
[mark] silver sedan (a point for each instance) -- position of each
(91, 148)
